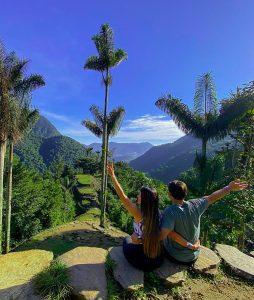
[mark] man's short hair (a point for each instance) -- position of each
(177, 189)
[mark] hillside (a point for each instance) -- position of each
(44, 144)
(124, 151)
(166, 162)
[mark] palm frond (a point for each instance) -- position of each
(17, 70)
(28, 84)
(229, 117)
(205, 99)
(182, 116)
(94, 63)
(115, 120)
(97, 115)
(92, 126)
(118, 56)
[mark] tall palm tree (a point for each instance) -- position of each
(114, 121)
(11, 71)
(216, 127)
(23, 119)
(108, 58)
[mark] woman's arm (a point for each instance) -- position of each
(132, 208)
(179, 239)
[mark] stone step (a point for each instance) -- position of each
(172, 274)
(241, 264)
(125, 274)
(17, 270)
(207, 262)
(252, 253)
(87, 271)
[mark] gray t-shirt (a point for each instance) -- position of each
(185, 220)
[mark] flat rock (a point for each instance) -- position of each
(87, 271)
(171, 273)
(252, 253)
(17, 270)
(125, 274)
(241, 264)
(207, 262)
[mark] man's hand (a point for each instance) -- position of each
(110, 169)
(237, 185)
(135, 239)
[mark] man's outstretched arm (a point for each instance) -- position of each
(233, 186)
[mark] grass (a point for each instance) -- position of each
(53, 282)
(92, 214)
(85, 179)
(87, 190)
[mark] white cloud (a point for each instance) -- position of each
(56, 116)
(156, 129)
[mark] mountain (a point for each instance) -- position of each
(124, 151)
(166, 162)
(44, 144)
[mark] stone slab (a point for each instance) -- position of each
(125, 274)
(172, 274)
(17, 270)
(87, 271)
(207, 262)
(241, 264)
(252, 253)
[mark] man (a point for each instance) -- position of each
(184, 218)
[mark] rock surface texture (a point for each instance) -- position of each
(240, 263)
(171, 273)
(125, 274)
(207, 262)
(17, 270)
(87, 271)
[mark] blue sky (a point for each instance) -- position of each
(169, 43)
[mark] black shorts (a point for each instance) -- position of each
(134, 253)
(172, 259)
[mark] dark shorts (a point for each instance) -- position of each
(172, 259)
(135, 255)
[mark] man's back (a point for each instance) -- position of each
(185, 220)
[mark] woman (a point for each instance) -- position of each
(143, 249)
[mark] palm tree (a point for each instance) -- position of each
(108, 58)
(22, 122)
(11, 71)
(114, 121)
(213, 126)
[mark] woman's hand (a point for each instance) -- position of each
(110, 169)
(135, 239)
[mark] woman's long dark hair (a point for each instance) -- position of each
(151, 219)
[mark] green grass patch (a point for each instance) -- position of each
(85, 179)
(87, 190)
(92, 214)
(53, 282)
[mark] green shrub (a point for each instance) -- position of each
(53, 282)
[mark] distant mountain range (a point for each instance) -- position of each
(167, 161)
(44, 144)
(124, 151)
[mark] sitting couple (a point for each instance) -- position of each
(174, 233)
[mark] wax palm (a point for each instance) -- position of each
(108, 58)
(19, 115)
(10, 72)
(215, 127)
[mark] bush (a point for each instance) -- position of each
(53, 282)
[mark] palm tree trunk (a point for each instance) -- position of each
(104, 155)
(2, 154)
(9, 198)
(106, 175)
